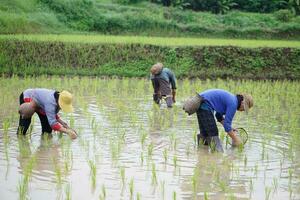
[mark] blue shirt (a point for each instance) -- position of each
(223, 102)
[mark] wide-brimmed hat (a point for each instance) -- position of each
(192, 104)
(248, 101)
(26, 110)
(65, 101)
(156, 69)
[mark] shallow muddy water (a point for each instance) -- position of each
(129, 148)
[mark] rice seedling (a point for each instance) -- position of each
(57, 171)
(142, 158)
(131, 188)
(267, 192)
(165, 154)
(154, 176)
(194, 180)
(143, 137)
(174, 195)
(68, 192)
(150, 149)
(275, 184)
(122, 174)
(175, 161)
(195, 138)
(251, 186)
(93, 172)
(138, 196)
(206, 196)
(102, 196)
(23, 188)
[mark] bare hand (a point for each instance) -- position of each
(72, 133)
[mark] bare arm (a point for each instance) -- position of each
(236, 141)
(68, 131)
(63, 123)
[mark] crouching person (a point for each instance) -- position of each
(164, 84)
(225, 105)
(46, 103)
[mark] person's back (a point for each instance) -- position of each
(164, 84)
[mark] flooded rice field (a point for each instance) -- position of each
(130, 148)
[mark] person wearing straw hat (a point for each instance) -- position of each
(225, 105)
(164, 84)
(46, 103)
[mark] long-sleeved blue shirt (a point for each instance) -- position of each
(223, 102)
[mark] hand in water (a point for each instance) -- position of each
(236, 140)
(72, 134)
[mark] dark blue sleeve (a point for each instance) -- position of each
(230, 112)
(219, 117)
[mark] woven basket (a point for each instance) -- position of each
(192, 104)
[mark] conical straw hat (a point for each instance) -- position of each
(192, 104)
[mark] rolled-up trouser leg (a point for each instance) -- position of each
(169, 101)
(23, 123)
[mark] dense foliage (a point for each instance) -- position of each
(29, 57)
(69, 16)
(222, 6)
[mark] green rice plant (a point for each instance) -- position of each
(138, 196)
(93, 172)
(154, 176)
(175, 161)
(245, 161)
(29, 166)
(251, 185)
(206, 196)
(131, 188)
(174, 195)
(187, 150)
(195, 137)
(102, 196)
(72, 121)
(58, 173)
(290, 172)
(142, 158)
(68, 192)
(267, 192)
(175, 144)
(23, 188)
(222, 185)
(275, 184)
(143, 137)
(165, 154)
(194, 179)
(172, 138)
(150, 149)
(122, 174)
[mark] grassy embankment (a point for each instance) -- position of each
(102, 16)
(132, 56)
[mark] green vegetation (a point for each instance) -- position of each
(144, 18)
(52, 57)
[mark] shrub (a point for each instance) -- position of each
(284, 15)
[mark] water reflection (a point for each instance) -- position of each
(43, 162)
